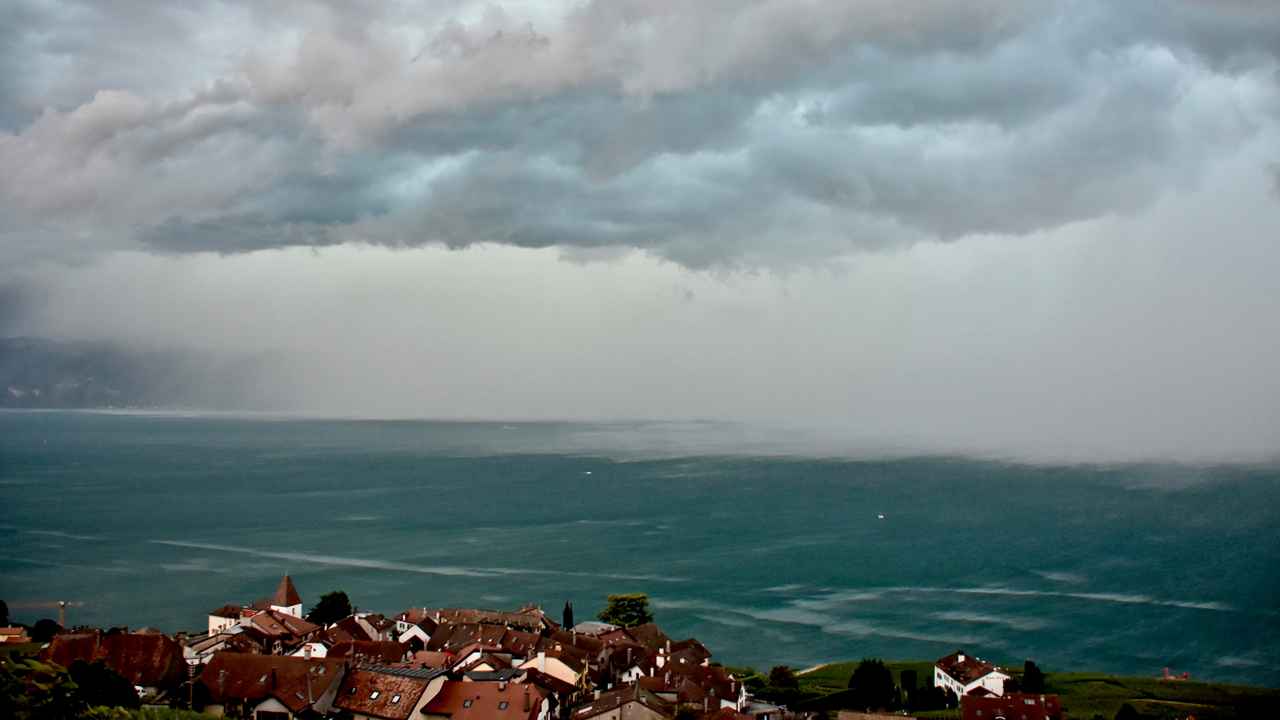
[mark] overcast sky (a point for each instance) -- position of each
(1041, 228)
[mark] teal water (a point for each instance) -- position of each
(768, 559)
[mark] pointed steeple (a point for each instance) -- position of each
(286, 595)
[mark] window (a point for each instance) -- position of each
(502, 706)
(375, 695)
(262, 679)
(395, 699)
(351, 692)
(466, 703)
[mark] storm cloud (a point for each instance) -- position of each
(711, 133)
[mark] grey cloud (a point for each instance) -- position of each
(706, 132)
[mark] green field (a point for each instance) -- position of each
(1086, 695)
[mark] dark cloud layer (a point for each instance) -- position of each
(710, 133)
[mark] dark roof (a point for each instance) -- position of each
(1013, 705)
(967, 670)
(377, 651)
(228, 611)
(529, 617)
(147, 659)
(543, 680)
(276, 624)
(409, 672)
(257, 677)
(589, 643)
(621, 696)
(692, 683)
(371, 691)
(286, 595)
(484, 700)
(649, 636)
(67, 647)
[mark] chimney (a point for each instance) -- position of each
(960, 657)
(222, 683)
(526, 700)
(501, 686)
(542, 661)
(306, 651)
(273, 678)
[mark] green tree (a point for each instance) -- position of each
(333, 606)
(1127, 713)
(44, 630)
(32, 690)
(872, 685)
(783, 687)
(783, 678)
(626, 610)
(98, 685)
(1032, 679)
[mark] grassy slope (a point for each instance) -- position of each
(1085, 694)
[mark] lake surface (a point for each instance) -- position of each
(767, 558)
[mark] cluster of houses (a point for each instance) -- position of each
(980, 688)
(265, 661)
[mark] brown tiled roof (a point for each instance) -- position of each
(413, 616)
(378, 651)
(427, 658)
(379, 694)
(529, 617)
(278, 624)
(693, 682)
(228, 611)
(589, 643)
(649, 636)
(453, 637)
(549, 682)
(485, 700)
(67, 647)
(257, 677)
(967, 670)
(286, 595)
(1013, 705)
(147, 659)
(621, 696)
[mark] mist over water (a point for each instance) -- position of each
(767, 548)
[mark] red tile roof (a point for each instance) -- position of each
(1013, 705)
(967, 670)
(296, 682)
(621, 696)
(378, 651)
(286, 595)
(487, 701)
(383, 695)
(147, 659)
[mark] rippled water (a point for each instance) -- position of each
(767, 558)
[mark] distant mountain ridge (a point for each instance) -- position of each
(42, 373)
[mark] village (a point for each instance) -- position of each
(269, 661)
